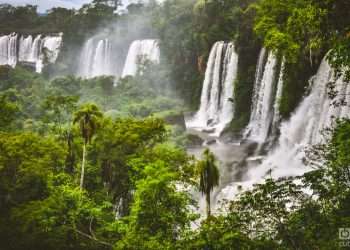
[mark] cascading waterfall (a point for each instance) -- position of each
(258, 77)
(305, 127)
(49, 50)
(101, 63)
(217, 107)
(52, 45)
(262, 109)
(8, 50)
(86, 58)
(276, 107)
(4, 47)
(35, 50)
(96, 59)
(139, 52)
(25, 49)
(12, 50)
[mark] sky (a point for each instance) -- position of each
(44, 5)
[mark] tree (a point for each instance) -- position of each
(87, 116)
(58, 108)
(112, 3)
(9, 110)
(27, 162)
(121, 145)
(209, 176)
(159, 212)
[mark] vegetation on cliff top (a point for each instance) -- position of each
(136, 169)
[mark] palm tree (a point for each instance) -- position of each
(209, 176)
(87, 117)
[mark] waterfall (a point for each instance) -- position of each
(314, 114)
(52, 45)
(86, 57)
(276, 107)
(139, 52)
(25, 49)
(304, 129)
(96, 58)
(12, 50)
(49, 50)
(35, 50)
(262, 110)
(101, 62)
(258, 77)
(217, 107)
(8, 50)
(4, 50)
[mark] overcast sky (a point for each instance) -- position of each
(48, 4)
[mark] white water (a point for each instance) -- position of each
(49, 50)
(52, 44)
(304, 129)
(96, 59)
(262, 109)
(276, 107)
(140, 51)
(35, 50)
(12, 50)
(25, 49)
(258, 77)
(86, 58)
(217, 107)
(8, 50)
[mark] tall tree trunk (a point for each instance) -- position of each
(83, 168)
(207, 197)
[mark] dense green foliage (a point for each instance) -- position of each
(100, 164)
(303, 31)
(133, 171)
(129, 164)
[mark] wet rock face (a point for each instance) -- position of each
(209, 131)
(211, 142)
(193, 140)
(28, 65)
(176, 119)
(201, 65)
(210, 122)
(4, 72)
